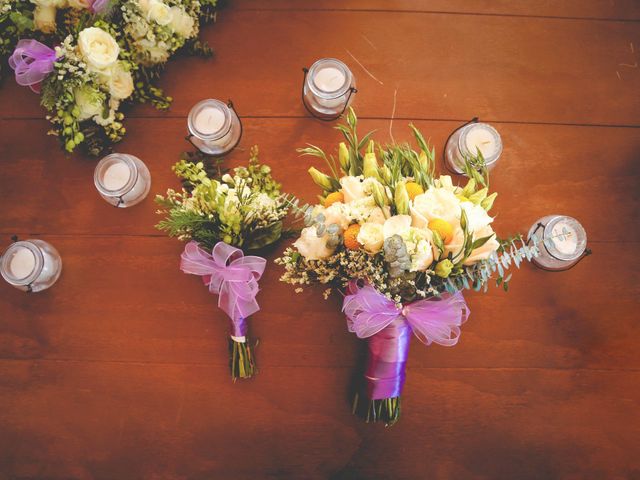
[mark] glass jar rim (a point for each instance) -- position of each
(197, 108)
(462, 141)
(105, 163)
(5, 268)
(550, 247)
(324, 63)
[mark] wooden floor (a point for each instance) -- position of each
(119, 371)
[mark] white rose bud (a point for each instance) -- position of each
(370, 236)
(181, 22)
(120, 82)
(99, 49)
(159, 13)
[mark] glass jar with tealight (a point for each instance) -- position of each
(469, 140)
(31, 265)
(122, 180)
(327, 88)
(561, 241)
(214, 127)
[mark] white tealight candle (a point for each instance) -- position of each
(564, 238)
(116, 176)
(329, 79)
(479, 138)
(22, 263)
(209, 120)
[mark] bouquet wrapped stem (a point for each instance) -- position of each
(241, 359)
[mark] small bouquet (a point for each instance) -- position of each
(401, 243)
(220, 216)
(89, 57)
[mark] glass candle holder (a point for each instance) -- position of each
(561, 240)
(466, 141)
(214, 127)
(122, 180)
(327, 88)
(31, 265)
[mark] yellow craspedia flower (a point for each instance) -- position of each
(444, 229)
(351, 237)
(332, 198)
(413, 189)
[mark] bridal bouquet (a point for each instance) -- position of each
(221, 216)
(402, 244)
(87, 58)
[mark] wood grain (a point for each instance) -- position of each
(449, 67)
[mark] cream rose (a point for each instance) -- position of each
(181, 22)
(98, 48)
(120, 82)
(477, 217)
(159, 12)
(370, 236)
(335, 215)
(483, 252)
(88, 102)
(352, 188)
(311, 246)
(423, 256)
(379, 215)
(435, 203)
(396, 225)
(44, 18)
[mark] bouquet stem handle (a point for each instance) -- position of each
(241, 358)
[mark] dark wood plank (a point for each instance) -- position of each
(110, 420)
(124, 299)
(586, 172)
(594, 9)
(442, 66)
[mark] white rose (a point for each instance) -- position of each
(435, 203)
(378, 215)
(396, 225)
(159, 13)
(370, 236)
(477, 217)
(311, 246)
(120, 82)
(88, 102)
(80, 4)
(98, 48)
(44, 18)
(335, 215)
(352, 188)
(181, 22)
(423, 256)
(485, 250)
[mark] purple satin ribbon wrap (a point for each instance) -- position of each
(372, 315)
(231, 276)
(32, 61)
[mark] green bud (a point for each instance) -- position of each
(487, 203)
(60, 113)
(479, 196)
(371, 146)
(443, 268)
(75, 112)
(385, 174)
(68, 120)
(401, 199)
(70, 145)
(78, 138)
(423, 159)
(227, 239)
(469, 188)
(343, 156)
(325, 182)
(380, 195)
(67, 131)
(370, 165)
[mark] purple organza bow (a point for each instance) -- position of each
(32, 61)
(99, 6)
(372, 315)
(368, 312)
(230, 275)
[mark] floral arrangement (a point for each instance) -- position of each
(401, 243)
(226, 214)
(87, 58)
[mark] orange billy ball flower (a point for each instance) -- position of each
(351, 237)
(333, 198)
(413, 189)
(444, 229)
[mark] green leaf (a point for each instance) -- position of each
(266, 236)
(481, 241)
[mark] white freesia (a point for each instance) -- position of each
(182, 23)
(370, 236)
(89, 104)
(120, 82)
(352, 188)
(396, 225)
(159, 12)
(477, 217)
(435, 203)
(311, 246)
(98, 48)
(44, 18)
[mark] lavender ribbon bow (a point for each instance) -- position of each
(99, 6)
(32, 61)
(388, 327)
(231, 276)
